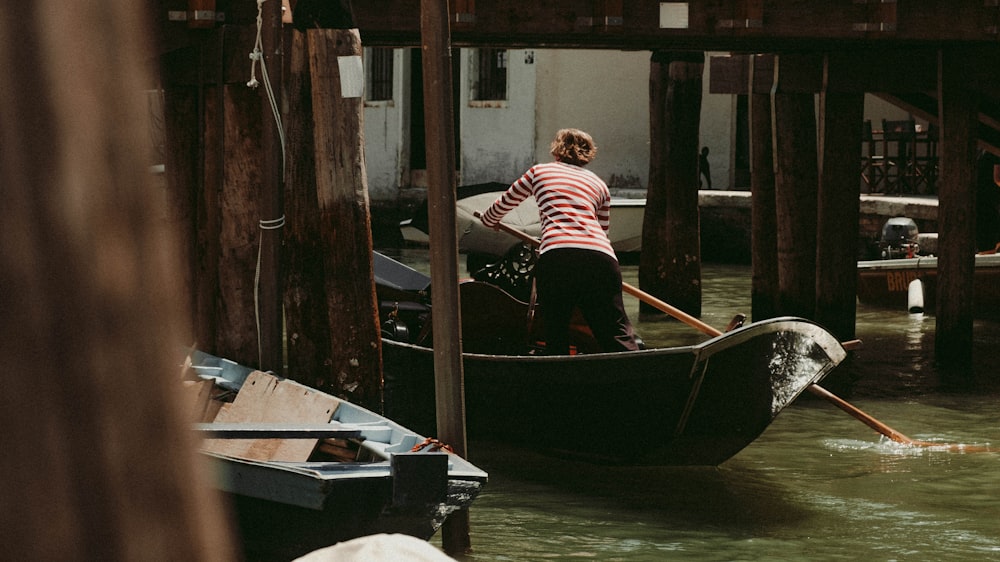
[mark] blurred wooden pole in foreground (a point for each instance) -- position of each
(98, 462)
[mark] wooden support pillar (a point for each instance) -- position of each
(441, 181)
(183, 115)
(271, 218)
(840, 117)
(218, 176)
(764, 222)
(796, 184)
(241, 169)
(355, 359)
(670, 264)
(307, 319)
(958, 108)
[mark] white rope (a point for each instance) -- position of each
(273, 224)
(257, 56)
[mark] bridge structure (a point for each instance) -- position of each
(805, 65)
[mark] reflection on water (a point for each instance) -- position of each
(817, 485)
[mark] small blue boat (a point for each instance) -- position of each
(305, 470)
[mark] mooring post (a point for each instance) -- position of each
(670, 265)
(841, 116)
(796, 185)
(959, 113)
(441, 185)
(763, 221)
(272, 213)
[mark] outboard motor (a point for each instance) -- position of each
(899, 238)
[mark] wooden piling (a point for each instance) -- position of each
(796, 187)
(958, 108)
(271, 216)
(355, 360)
(764, 226)
(839, 202)
(670, 264)
(215, 170)
(441, 185)
(307, 319)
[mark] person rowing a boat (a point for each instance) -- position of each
(577, 267)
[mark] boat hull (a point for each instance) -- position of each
(885, 283)
(692, 405)
(275, 520)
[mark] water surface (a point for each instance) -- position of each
(817, 485)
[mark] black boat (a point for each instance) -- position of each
(689, 405)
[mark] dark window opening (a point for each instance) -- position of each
(491, 77)
(379, 71)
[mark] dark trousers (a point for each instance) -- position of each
(592, 281)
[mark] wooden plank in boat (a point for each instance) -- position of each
(198, 397)
(266, 399)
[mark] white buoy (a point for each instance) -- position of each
(915, 296)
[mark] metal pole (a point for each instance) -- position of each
(440, 142)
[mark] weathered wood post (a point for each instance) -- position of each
(215, 167)
(270, 317)
(92, 413)
(796, 183)
(958, 108)
(763, 215)
(441, 184)
(307, 318)
(337, 80)
(840, 123)
(670, 264)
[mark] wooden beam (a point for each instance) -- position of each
(727, 25)
(883, 70)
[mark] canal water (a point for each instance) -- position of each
(817, 485)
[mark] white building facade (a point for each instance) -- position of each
(510, 103)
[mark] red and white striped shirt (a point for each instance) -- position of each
(573, 202)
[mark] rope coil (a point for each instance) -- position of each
(272, 224)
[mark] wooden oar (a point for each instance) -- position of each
(813, 388)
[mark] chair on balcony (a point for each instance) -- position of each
(925, 161)
(873, 162)
(899, 138)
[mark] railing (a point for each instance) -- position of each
(900, 158)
